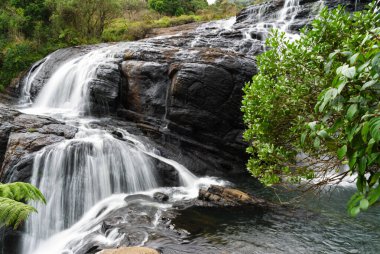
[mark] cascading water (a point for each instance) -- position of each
(280, 20)
(25, 93)
(67, 91)
(76, 174)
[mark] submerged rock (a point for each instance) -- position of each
(160, 197)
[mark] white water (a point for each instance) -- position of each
(67, 91)
(282, 20)
(218, 26)
(25, 92)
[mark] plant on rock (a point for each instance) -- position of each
(319, 95)
(13, 210)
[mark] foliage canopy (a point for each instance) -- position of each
(177, 7)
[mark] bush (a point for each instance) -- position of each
(334, 68)
(177, 7)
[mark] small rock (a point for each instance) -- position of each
(130, 250)
(160, 197)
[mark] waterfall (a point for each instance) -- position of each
(33, 72)
(76, 174)
(67, 91)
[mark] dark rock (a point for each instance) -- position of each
(10, 241)
(160, 197)
(22, 136)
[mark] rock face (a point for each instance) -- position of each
(21, 136)
(189, 99)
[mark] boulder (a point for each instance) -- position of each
(224, 196)
(220, 196)
(130, 250)
(160, 197)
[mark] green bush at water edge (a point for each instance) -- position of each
(319, 95)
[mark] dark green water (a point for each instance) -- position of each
(313, 224)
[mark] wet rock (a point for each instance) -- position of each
(21, 136)
(160, 197)
(223, 196)
(130, 250)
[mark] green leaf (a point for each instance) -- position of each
(355, 211)
(323, 134)
(341, 85)
(371, 142)
(352, 162)
(374, 126)
(342, 152)
(374, 178)
(368, 84)
(303, 138)
(353, 58)
(363, 66)
(348, 72)
(362, 164)
(317, 142)
(374, 195)
(365, 131)
(372, 158)
(364, 204)
(354, 200)
(312, 125)
(361, 183)
(351, 112)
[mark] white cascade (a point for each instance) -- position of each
(34, 71)
(67, 91)
(76, 174)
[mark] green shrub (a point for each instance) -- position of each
(334, 69)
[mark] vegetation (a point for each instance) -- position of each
(13, 210)
(328, 79)
(177, 7)
(31, 29)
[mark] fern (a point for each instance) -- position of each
(13, 210)
(22, 192)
